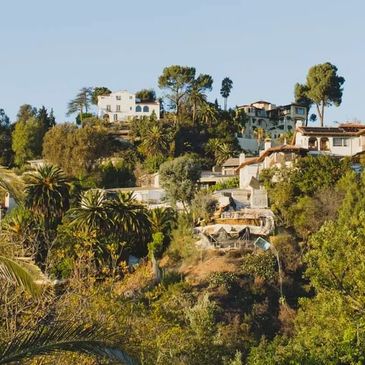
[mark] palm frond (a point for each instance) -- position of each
(62, 337)
(11, 183)
(24, 274)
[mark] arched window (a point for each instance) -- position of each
(138, 109)
(146, 109)
(313, 144)
(324, 144)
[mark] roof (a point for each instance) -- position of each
(342, 130)
(261, 102)
(284, 148)
(233, 161)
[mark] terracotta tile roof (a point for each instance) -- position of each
(271, 150)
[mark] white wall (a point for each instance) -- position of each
(354, 144)
(123, 104)
(247, 172)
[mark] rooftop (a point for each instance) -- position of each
(342, 130)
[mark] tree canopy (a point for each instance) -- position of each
(323, 88)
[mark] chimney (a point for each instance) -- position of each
(242, 158)
(267, 144)
(298, 124)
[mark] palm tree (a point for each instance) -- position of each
(226, 90)
(223, 153)
(128, 216)
(208, 113)
(47, 194)
(62, 337)
(22, 272)
(119, 218)
(155, 141)
(91, 215)
(162, 220)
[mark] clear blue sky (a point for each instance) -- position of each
(50, 49)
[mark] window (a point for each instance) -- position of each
(118, 97)
(108, 108)
(340, 142)
(115, 117)
(313, 144)
(146, 109)
(130, 108)
(131, 97)
(118, 108)
(299, 111)
(138, 109)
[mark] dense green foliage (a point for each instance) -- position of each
(323, 88)
(137, 272)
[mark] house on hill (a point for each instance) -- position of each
(272, 119)
(122, 105)
(348, 139)
(250, 167)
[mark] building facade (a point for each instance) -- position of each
(122, 105)
(347, 139)
(269, 120)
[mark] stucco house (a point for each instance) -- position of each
(279, 156)
(348, 139)
(274, 120)
(122, 105)
(229, 166)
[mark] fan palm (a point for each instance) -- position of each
(226, 90)
(59, 338)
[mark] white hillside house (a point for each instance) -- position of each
(122, 105)
(346, 140)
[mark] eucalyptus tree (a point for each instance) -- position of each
(226, 88)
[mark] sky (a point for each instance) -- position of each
(51, 49)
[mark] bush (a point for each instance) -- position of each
(226, 279)
(260, 265)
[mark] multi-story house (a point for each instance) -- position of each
(273, 120)
(122, 105)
